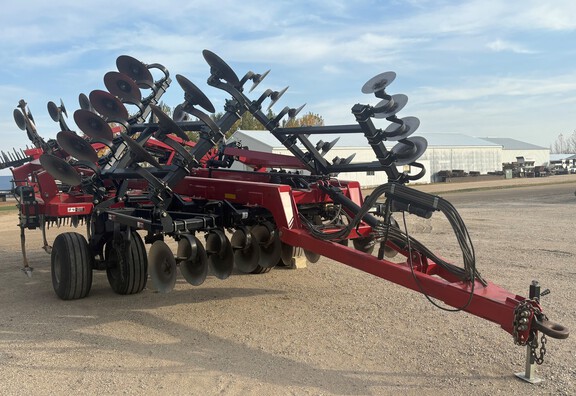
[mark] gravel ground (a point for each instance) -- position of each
(326, 329)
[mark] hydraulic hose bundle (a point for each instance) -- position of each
(400, 198)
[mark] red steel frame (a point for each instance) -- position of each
(489, 301)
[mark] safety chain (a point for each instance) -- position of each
(522, 315)
(538, 359)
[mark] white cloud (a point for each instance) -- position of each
(324, 50)
(505, 46)
(556, 15)
(480, 16)
(479, 87)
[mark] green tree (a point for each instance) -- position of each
(308, 119)
(247, 122)
(165, 108)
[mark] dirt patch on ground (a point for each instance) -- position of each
(326, 329)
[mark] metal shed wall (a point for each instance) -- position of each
(540, 157)
(478, 159)
(266, 142)
(512, 148)
(446, 151)
(363, 154)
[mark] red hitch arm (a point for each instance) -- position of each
(490, 302)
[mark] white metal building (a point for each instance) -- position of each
(512, 149)
(454, 151)
(347, 144)
(563, 160)
(561, 163)
(446, 151)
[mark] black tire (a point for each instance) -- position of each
(127, 269)
(261, 270)
(71, 266)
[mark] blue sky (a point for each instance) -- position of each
(477, 67)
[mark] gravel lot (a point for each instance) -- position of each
(325, 329)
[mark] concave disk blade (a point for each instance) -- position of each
(136, 70)
(54, 111)
(287, 253)
(84, 102)
(220, 254)
(365, 245)
(122, 86)
(108, 105)
(162, 267)
(194, 95)
(194, 268)
(76, 146)
(60, 169)
(246, 251)
(379, 82)
(20, 119)
(311, 256)
(395, 132)
(167, 124)
(140, 152)
(93, 125)
(270, 245)
(220, 68)
(387, 108)
(406, 153)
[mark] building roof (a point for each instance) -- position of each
(357, 141)
(560, 157)
(455, 139)
(264, 137)
(513, 144)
